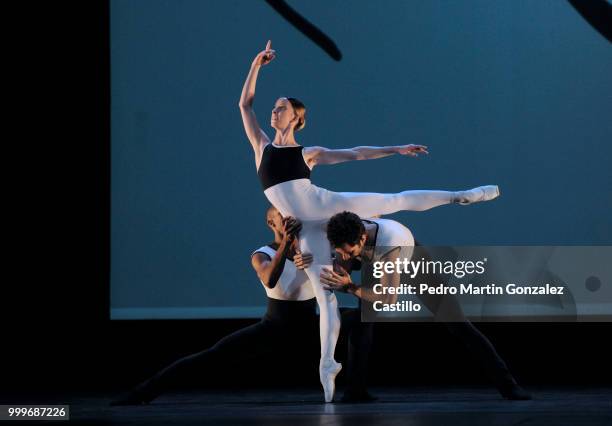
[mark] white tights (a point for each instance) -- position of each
(314, 206)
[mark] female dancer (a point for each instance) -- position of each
(284, 169)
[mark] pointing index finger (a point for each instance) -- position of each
(269, 45)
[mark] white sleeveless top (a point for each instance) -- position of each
(293, 283)
(392, 234)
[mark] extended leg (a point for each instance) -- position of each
(446, 309)
(246, 343)
(366, 204)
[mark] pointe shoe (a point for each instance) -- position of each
(476, 195)
(327, 374)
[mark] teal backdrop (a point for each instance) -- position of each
(515, 93)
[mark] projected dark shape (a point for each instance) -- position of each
(306, 28)
(598, 13)
(592, 283)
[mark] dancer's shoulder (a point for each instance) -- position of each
(393, 233)
(267, 250)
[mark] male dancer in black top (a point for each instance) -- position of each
(386, 240)
(290, 322)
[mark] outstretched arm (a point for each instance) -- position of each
(318, 155)
(256, 136)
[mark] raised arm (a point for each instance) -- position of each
(256, 135)
(269, 270)
(318, 155)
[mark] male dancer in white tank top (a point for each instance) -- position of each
(290, 322)
(388, 240)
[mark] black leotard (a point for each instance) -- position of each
(282, 164)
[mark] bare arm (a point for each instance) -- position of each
(341, 281)
(269, 270)
(256, 135)
(318, 155)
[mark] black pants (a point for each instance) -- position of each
(447, 310)
(358, 336)
(286, 326)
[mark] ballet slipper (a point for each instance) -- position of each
(328, 370)
(513, 392)
(476, 195)
(142, 394)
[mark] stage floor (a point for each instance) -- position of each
(294, 407)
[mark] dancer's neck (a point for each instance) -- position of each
(367, 251)
(278, 238)
(370, 229)
(286, 139)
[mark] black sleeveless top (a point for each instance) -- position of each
(282, 165)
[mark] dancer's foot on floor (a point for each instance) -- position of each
(138, 396)
(127, 399)
(513, 392)
(328, 370)
(476, 195)
(357, 396)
